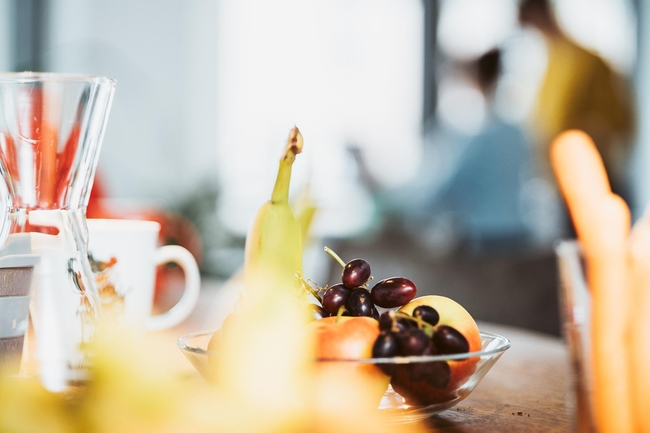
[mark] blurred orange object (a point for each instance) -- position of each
(582, 179)
(602, 221)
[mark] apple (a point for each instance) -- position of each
(343, 337)
(444, 380)
(347, 338)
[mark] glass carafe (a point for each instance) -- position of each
(51, 130)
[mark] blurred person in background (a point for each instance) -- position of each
(484, 195)
(478, 206)
(579, 91)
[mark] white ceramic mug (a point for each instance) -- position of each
(134, 245)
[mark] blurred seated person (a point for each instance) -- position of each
(477, 205)
(581, 91)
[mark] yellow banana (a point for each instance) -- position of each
(274, 241)
(305, 211)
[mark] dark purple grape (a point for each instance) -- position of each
(413, 342)
(355, 273)
(393, 292)
(420, 371)
(449, 341)
(317, 312)
(404, 324)
(335, 297)
(427, 313)
(375, 313)
(386, 320)
(439, 374)
(359, 303)
(386, 345)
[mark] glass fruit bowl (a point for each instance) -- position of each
(420, 386)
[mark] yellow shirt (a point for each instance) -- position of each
(581, 91)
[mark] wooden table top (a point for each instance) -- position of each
(525, 391)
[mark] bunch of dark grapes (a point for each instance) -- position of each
(351, 296)
(418, 335)
(401, 334)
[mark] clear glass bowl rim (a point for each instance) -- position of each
(502, 345)
(27, 77)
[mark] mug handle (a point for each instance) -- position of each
(183, 308)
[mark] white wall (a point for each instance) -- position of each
(346, 72)
(159, 141)
(209, 90)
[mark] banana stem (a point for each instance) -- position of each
(293, 147)
(335, 256)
